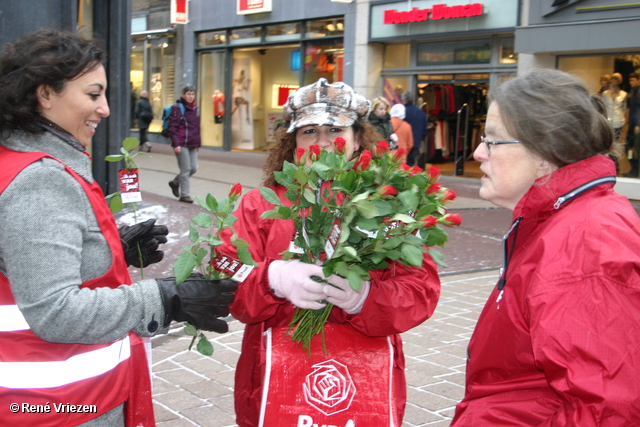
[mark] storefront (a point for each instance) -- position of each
(590, 39)
(448, 56)
(251, 56)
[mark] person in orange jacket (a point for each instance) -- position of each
(402, 130)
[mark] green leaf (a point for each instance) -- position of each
(412, 255)
(435, 236)
(384, 207)
(289, 169)
(283, 179)
(391, 243)
(404, 218)
(204, 346)
(301, 177)
(203, 220)
(359, 197)
(130, 143)
(114, 158)
(270, 196)
(190, 330)
(309, 196)
(212, 203)
(238, 242)
(409, 199)
(367, 209)
(116, 205)
(245, 256)
(355, 281)
(437, 257)
(183, 266)
(194, 235)
(272, 214)
(200, 254)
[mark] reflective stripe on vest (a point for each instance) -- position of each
(55, 374)
(11, 319)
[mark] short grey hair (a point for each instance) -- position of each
(188, 88)
(553, 115)
(407, 96)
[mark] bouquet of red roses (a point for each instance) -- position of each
(354, 216)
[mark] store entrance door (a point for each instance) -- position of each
(457, 108)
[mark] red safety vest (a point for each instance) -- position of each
(56, 384)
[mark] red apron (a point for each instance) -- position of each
(58, 384)
(350, 386)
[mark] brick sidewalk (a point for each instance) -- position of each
(194, 390)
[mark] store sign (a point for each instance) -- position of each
(246, 7)
(179, 12)
(435, 13)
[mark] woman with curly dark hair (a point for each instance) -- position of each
(70, 316)
(395, 300)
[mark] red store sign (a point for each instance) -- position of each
(437, 12)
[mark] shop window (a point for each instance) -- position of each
(138, 24)
(397, 55)
(211, 97)
(246, 35)
(324, 61)
(212, 38)
(507, 53)
(454, 53)
(325, 28)
(152, 69)
(281, 32)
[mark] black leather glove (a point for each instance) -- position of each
(198, 301)
(149, 236)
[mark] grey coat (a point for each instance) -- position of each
(50, 243)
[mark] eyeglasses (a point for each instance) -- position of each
(488, 144)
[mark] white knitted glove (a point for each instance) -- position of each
(292, 280)
(340, 294)
(394, 137)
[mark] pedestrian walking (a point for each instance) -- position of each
(557, 341)
(184, 131)
(418, 121)
(144, 113)
(70, 317)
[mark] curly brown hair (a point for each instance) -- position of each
(45, 57)
(285, 147)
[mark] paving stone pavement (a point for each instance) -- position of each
(194, 390)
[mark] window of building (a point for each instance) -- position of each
(138, 24)
(507, 53)
(325, 28)
(212, 38)
(283, 32)
(246, 35)
(324, 60)
(397, 55)
(455, 53)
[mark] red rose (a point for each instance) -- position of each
(434, 188)
(399, 154)
(451, 219)
(405, 167)
(340, 143)
(433, 172)
(387, 190)
(382, 148)
(429, 221)
(415, 170)
(449, 195)
(236, 190)
(315, 152)
(364, 161)
(300, 155)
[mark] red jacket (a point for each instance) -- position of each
(559, 344)
(400, 299)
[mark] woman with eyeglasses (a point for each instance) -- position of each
(557, 342)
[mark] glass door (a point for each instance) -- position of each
(211, 98)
